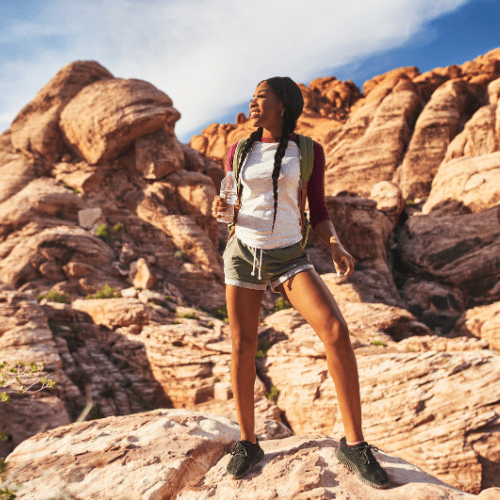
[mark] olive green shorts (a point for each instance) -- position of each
(252, 268)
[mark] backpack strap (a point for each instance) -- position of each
(306, 149)
(236, 169)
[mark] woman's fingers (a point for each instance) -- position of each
(217, 205)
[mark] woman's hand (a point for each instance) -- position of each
(343, 260)
(218, 206)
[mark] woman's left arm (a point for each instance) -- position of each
(320, 219)
(343, 260)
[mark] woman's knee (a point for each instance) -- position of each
(336, 333)
(244, 346)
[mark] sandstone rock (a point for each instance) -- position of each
(15, 175)
(458, 250)
(78, 269)
(478, 138)
(482, 322)
(187, 359)
(436, 126)
(413, 404)
(389, 199)
(25, 336)
(114, 313)
(146, 296)
(42, 200)
(158, 154)
(128, 253)
(426, 343)
(373, 154)
(436, 304)
(193, 160)
(57, 311)
(107, 116)
(305, 467)
(145, 456)
(89, 217)
(141, 276)
(79, 176)
(473, 182)
(129, 293)
(200, 286)
(63, 244)
(493, 91)
(36, 127)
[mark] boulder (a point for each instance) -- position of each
(482, 322)
(107, 116)
(61, 245)
(158, 154)
(36, 127)
(79, 176)
(458, 250)
(440, 121)
(141, 275)
(89, 217)
(16, 173)
(149, 456)
(389, 199)
(471, 182)
(115, 312)
(305, 467)
(42, 201)
(413, 404)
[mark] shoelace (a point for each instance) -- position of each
(367, 452)
(238, 447)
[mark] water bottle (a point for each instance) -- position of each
(228, 192)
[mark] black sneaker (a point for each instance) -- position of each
(245, 456)
(360, 460)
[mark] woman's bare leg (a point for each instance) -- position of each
(309, 295)
(243, 306)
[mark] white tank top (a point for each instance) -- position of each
(255, 218)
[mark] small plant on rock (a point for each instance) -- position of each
(106, 292)
(55, 296)
(109, 235)
(262, 348)
(220, 312)
(273, 394)
(281, 304)
(380, 343)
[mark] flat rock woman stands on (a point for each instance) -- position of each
(266, 247)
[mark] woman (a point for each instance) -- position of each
(267, 237)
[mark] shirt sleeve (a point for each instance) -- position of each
(230, 156)
(316, 188)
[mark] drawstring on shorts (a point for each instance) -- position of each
(260, 263)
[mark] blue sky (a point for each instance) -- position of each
(208, 55)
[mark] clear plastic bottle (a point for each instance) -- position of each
(228, 192)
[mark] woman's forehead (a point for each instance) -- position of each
(262, 86)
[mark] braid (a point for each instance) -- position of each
(280, 153)
(254, 136)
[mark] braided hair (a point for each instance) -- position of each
(290, 95)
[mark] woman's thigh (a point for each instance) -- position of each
(310, 296)
(243, 307)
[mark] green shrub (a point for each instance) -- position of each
(106, 292)
(180, 254)
(378, 342)
(109, 235)
(273, 394)
(55, 296)
(220, 312)
(188, 316)
(281, 304)
(262, 348)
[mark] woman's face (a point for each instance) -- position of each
(266, 108)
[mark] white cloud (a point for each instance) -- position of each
(207, 55)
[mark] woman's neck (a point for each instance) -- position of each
(271, 135)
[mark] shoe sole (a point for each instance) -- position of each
(254, 462)
(350, 465)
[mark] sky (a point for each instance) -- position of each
(209, 55)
